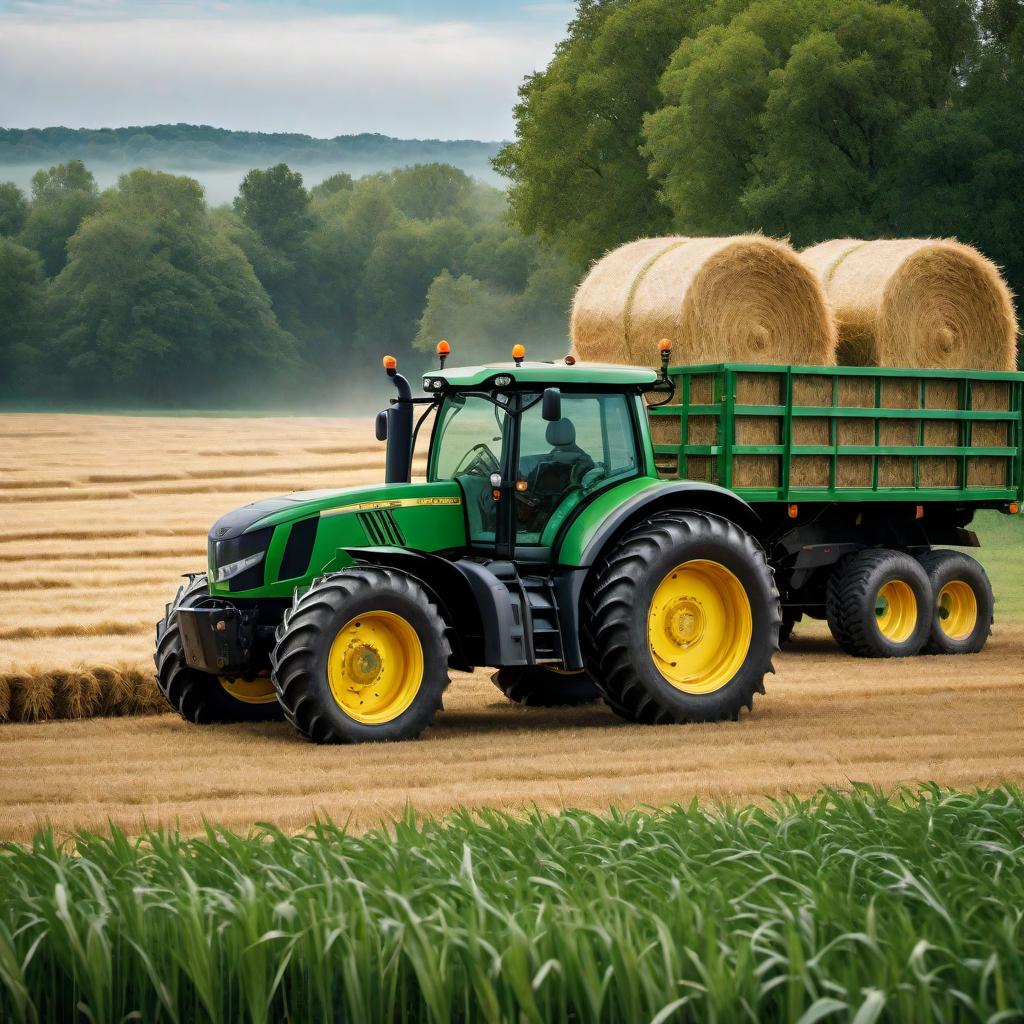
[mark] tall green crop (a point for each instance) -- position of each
(840, 908)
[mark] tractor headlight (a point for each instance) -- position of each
(232, 569)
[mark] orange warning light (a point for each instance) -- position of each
(794, 511)
(443, 348)
(390, 363)
(665, 345)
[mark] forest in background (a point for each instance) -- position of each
(811, 119)
(144, 295)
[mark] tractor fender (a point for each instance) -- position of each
(617, 509)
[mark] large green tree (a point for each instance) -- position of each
(13, 208)
(275, 204)
(62, 197)
(157, 305)
(21, 293)
(578, 176)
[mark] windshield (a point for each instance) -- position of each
(467, 441)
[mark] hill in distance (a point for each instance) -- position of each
(219, 158)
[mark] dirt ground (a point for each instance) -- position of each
(825, 719)
(102, 514)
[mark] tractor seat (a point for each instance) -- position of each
(565, 465)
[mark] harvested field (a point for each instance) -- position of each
(88, 567)
(825, 719)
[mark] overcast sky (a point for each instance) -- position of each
(432, 69)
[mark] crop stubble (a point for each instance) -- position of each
(89, 563)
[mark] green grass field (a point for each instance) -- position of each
(841, 908)
(1002, 554)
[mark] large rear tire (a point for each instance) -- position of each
(682, 620)
(535, 686)
(879, 604)
(198, 696)
(361, 657)
(963, 601)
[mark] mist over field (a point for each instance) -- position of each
(219, 159)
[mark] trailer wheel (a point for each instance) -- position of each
(361, 657)
(962, 593)
(198, 696)
(879, 604)
(682, 620)
(537, 686)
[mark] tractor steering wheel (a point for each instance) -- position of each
(483, 462)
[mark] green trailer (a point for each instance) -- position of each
(643, 537)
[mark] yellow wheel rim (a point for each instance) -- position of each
(958, 610)
(249, 691)
(896, 611)
(699, 626)
(375, 667)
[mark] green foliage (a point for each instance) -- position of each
(461, 308)
(287, 293)
(62, 197)
(13, 208)
(805, 118)
(274, 204)
(187, 316)
(843, 907)
(21, 294)
(431, 191)
(577, 173)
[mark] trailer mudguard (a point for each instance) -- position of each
(616, 509)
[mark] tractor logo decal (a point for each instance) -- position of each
(369, 506)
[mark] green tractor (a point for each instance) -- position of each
(543, 543)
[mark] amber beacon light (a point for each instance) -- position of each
(444, 350)
(519, 354)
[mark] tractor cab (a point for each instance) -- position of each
(527, 444)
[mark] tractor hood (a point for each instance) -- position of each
(272, 547)
(299, 504)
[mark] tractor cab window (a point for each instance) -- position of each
(468, 443)
(561, 463)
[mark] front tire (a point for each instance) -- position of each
(535, 686)
(199, 697)
(879, 604)
(682, 621)
(963, 602)
(361, 657)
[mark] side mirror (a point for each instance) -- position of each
(551, 405)
(380, 427)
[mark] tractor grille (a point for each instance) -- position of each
(381, 529)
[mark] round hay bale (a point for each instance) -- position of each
(915, 302)
(746, 298)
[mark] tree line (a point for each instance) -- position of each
(144, 295)
(814, 119)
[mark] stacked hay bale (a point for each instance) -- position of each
(741, 299)
(923, 303)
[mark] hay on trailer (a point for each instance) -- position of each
(741, 299)
(917, 303)
(746, 298)
(989, 470)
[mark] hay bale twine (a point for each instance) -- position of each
(912, 302)
(745, 298)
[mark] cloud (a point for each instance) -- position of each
(322, 74)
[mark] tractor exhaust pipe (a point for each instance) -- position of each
(398, 461)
